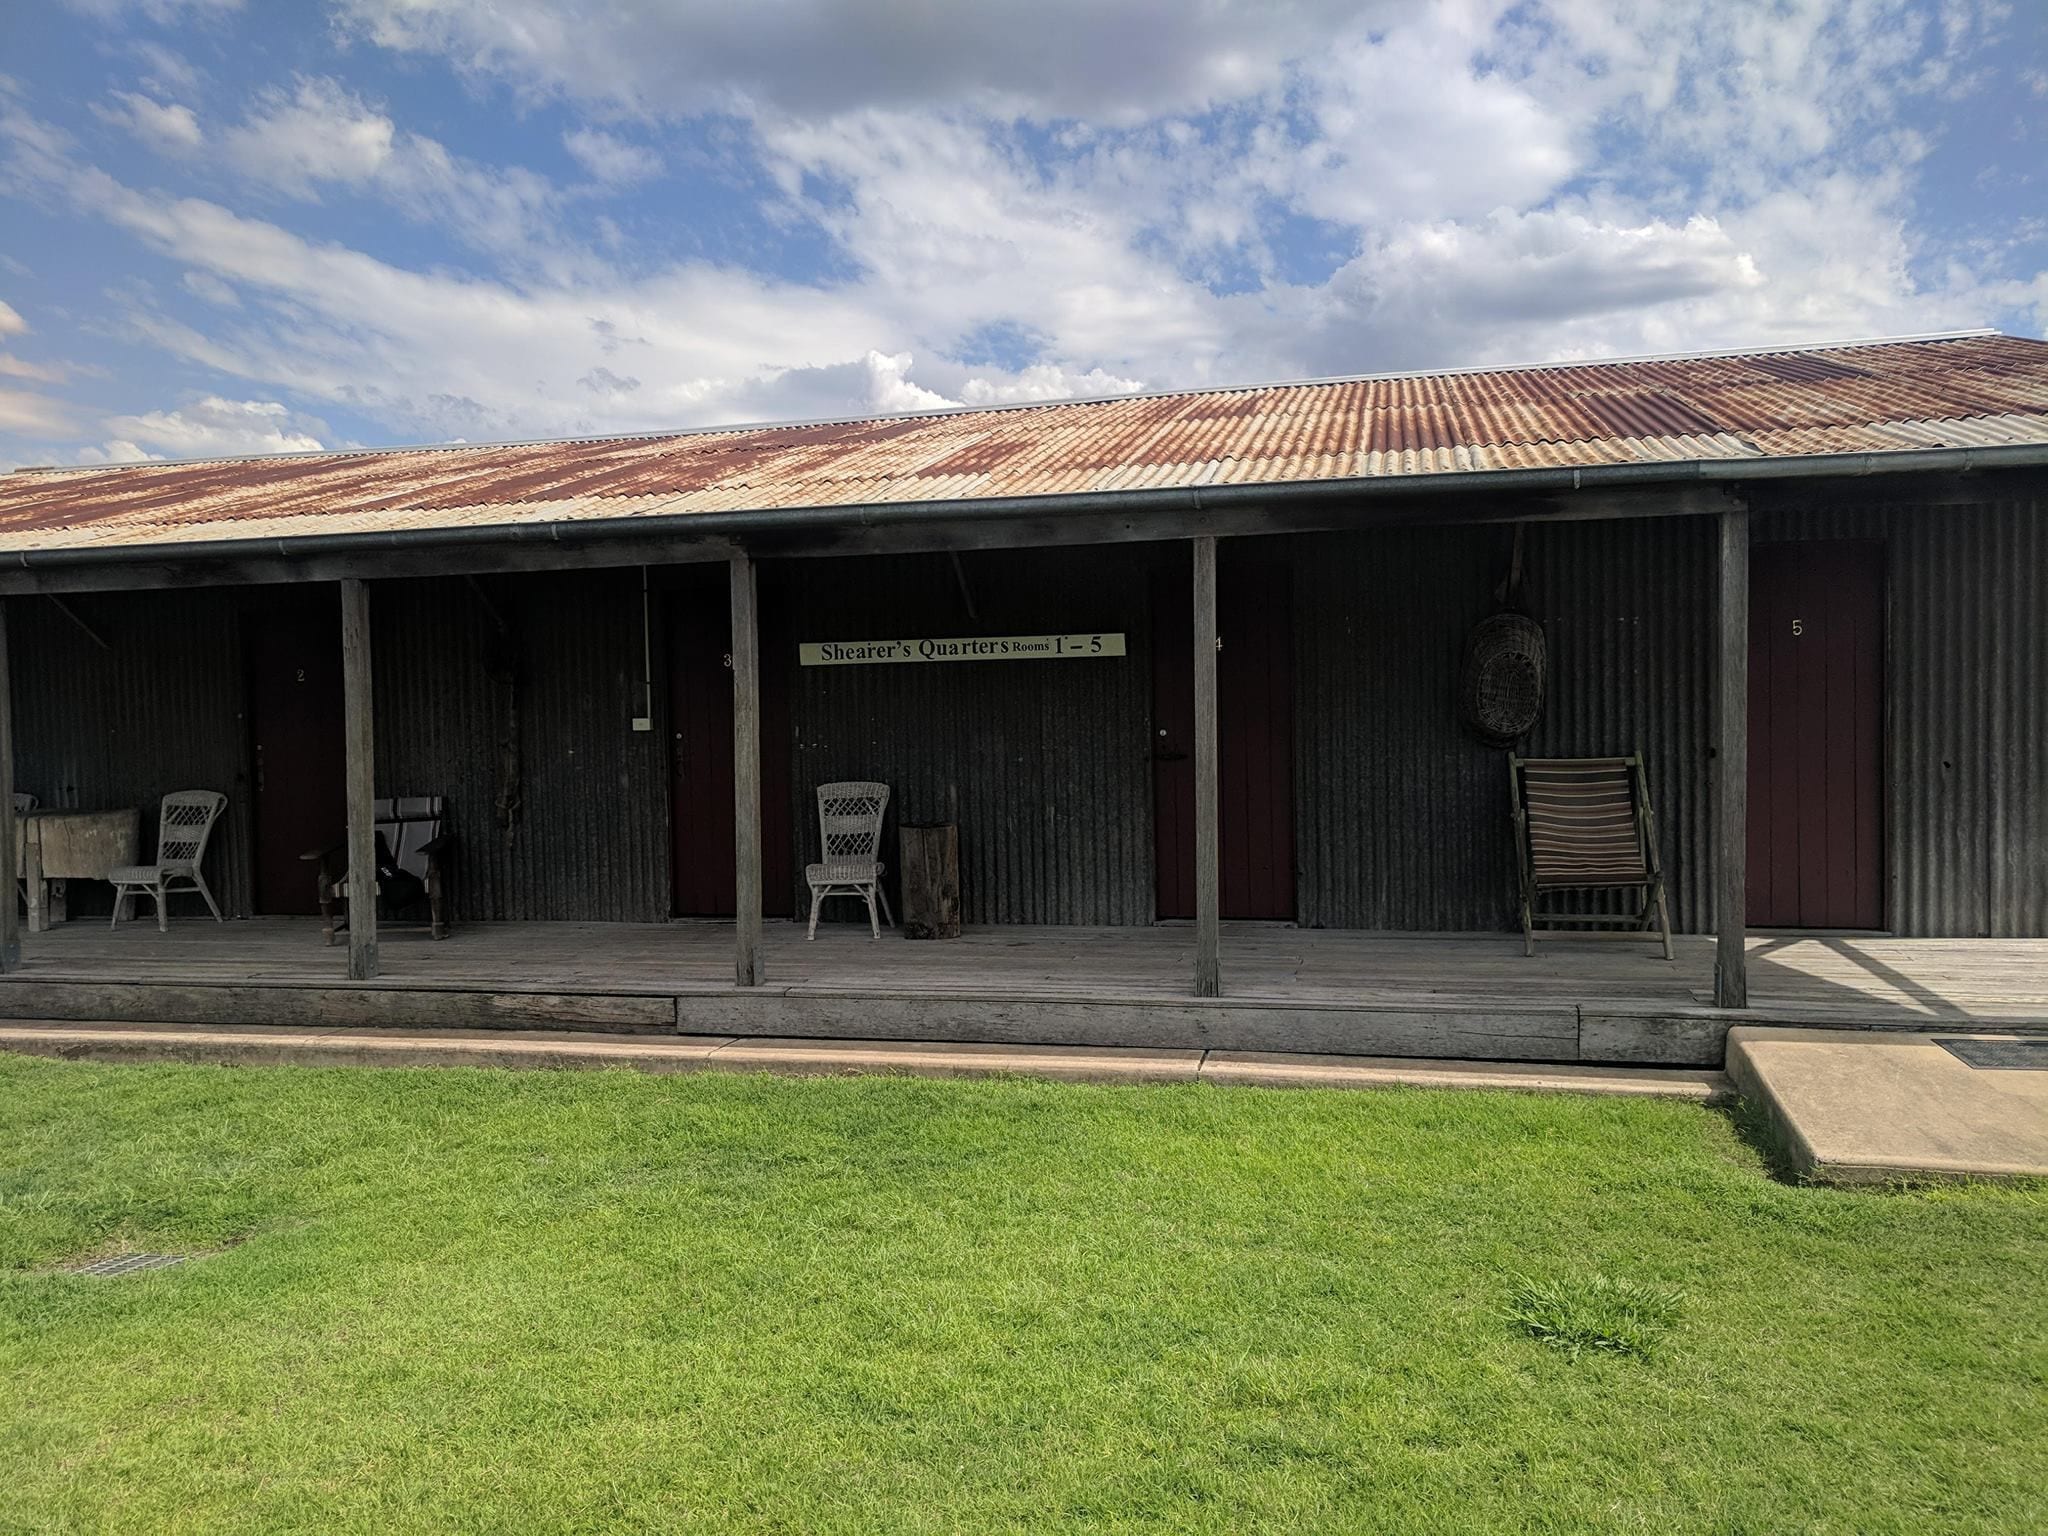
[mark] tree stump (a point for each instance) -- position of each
(930, 861)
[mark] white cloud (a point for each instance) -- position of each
(23, 412)
(207, 428)
(1733, 98)
(1470, 182)
(317, 132)
(166, 71)
(1404, 128)
(1529, 271)
(874, 384)
(946, 222)
(1046, 381)
(204, 285)
(602, 381)
(162, 12)
(613, 161)
(455, 356)
(22, 368)
(321, 135)
(820, 57)
(164, 126)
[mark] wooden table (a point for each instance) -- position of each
(51, 847)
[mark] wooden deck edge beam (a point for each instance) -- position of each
(1643, 1032)
(141, 1044)
(337, 1006)
(1557, 1033)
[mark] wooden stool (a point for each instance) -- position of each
(930, 865)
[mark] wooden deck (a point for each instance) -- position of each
(1284, 988)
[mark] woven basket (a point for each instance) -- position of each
(1500, 685)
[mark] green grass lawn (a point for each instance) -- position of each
(460, 1300)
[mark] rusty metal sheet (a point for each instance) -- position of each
(1969, 390)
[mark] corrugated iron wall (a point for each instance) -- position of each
(1628, 609)
(1045, 765)
(1966, 683)
(1404, 820)
(1394, 807)
(162, 709)
(157, 709)
(515, 697)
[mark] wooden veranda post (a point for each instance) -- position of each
(1208, 888)
(746, 772)
(361, 779)
(1731, 765)
(10, 920)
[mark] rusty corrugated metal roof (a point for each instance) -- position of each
(1975, 390)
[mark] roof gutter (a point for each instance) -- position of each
(1163, 499)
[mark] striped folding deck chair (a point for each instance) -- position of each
(1585, 824)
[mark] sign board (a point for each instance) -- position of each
(862, 653)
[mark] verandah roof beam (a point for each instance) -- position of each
(1688, 487)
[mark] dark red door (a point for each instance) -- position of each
(701, 776)
(1255, 707)
(1816, 735)
(296, 741)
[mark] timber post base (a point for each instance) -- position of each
(930, 865)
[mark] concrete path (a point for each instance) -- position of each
(255, 1045)
(1865, 1106)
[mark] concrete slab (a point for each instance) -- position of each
(264, 1046)
(1863, 1107)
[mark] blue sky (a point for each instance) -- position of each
(241, 227)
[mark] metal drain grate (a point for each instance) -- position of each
(1999, 1055)
(130, 1263)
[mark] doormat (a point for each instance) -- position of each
(130, 1263)
(1999, 1055)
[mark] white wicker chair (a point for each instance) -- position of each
(850, 834)
(185, 823)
